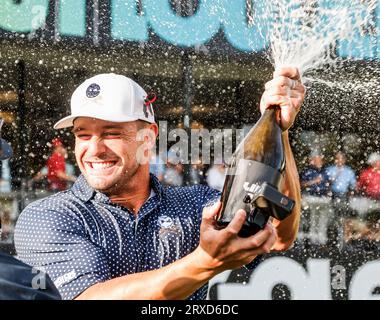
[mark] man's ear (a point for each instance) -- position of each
(147, 135)
(154, 128)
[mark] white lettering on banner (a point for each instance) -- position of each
(365, 281)
(311, 284)
(128, 23)
(217, 280)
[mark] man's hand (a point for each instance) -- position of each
(223, 249)
(286, 91)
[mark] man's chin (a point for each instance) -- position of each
(100, 183)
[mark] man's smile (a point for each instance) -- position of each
(99, 166)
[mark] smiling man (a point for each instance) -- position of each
(118, 233)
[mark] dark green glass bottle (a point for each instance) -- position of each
(254, 176)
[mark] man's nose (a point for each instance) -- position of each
(96, 146)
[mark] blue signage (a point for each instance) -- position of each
(157, 16)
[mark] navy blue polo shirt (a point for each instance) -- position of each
(317, 189)
(79, 237)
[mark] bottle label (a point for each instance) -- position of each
(243, 182)
(253, 171)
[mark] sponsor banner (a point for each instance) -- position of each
(307, 273)
(208, 26)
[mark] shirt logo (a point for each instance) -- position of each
(66, 278)
(93, 90)
(165, 222)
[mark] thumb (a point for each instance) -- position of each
(209, 213)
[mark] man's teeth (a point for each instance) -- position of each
(102, 165)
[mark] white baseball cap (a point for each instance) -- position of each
(109, 97)
(373, 157)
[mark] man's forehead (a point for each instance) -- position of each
(82, 123)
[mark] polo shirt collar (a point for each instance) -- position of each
(85, 192)
(82, 189)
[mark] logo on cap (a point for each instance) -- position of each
(93, 90)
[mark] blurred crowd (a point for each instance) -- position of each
(172, 172)
(339, 205)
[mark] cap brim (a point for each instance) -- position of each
(69, 121)
(5, 150)
(64, 122)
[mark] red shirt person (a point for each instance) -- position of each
(369, 179)
(56, 166)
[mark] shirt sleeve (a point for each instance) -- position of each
(56, 242)
(210, 196)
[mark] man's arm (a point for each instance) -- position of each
(287, 229)
(308, 183)
(219, 250)
(286, 91)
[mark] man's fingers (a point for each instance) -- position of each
(290, 72)
(273, 100)
(210, 212)
(277, 90)
(258, 239)
(268, 245)
(279, 81)
(267, 240)
(296, 94)
(285, 82)
(236, 223)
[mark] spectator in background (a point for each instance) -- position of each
(342, 185)
(5, 152)
(314, 179)
(157, 166)
(197, 173)
(5, 187)
(315, 204)
(57, 175)
(342, 178)
(216, 176)
(369, 178)
(173, 175)
(368, 187)
(364, 235)
(42, 175)
(5, 176)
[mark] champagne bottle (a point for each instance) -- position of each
(254, 176)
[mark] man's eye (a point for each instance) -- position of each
(112, 134)
(83, 136)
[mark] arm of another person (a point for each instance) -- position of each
(308, 183)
